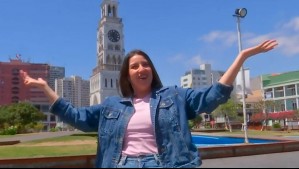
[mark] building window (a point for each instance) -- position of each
(52, 118)
(15, 90)
(45, 118)
(294, 106)
(278, 92)
(15, 72)
(110, 47)
(15, 99)
(15, 80)
(290, 90)
(117, 47)
(111, 83)
(268, 94)
(106, 83)
(117, 85)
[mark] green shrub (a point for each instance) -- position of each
(54, 129)
(12, 130)
(276, 125)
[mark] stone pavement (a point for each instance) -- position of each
(38, 136)
(274, 160)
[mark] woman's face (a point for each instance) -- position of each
(140, 75)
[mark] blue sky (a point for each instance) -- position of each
(178, 35)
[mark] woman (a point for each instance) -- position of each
(148, 126)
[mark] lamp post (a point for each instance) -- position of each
(241, 13)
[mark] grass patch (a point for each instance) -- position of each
(52, 147)
(7, 136)
(8, 152)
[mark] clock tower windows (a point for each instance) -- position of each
(109, 10)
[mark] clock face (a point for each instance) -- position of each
(113, 35)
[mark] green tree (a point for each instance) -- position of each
(4, 115)
(23, 115)
(228, 110)
(195, 122)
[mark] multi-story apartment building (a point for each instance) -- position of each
(74, 89)
(55, 72)
(12, 89)
(200, 78)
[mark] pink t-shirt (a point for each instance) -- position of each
(139, 137)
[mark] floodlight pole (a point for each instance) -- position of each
(238, 16)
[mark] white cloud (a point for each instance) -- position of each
(177, 58)
(196, 61)
(293, 24)
(289, 45)
(188, 62)
(228, 38)
(287, 35)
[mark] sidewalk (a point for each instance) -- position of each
(38, 136)
(274, 160)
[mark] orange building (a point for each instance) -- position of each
(12, 89)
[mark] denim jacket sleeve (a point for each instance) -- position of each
(208, 99)
(83, 118)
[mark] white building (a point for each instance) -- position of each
(73, 89)
(110, 53)
(200, 78)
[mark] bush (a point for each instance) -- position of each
(54, 129)
(12, 130)
(276, 125)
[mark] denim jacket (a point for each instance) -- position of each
(170, 108)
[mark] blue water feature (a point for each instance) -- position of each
(210, 141)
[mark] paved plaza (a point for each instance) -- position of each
(274, 160)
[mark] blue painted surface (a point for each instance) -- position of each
(209, 141)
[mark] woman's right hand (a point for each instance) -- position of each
(31, 81)
(40, 83)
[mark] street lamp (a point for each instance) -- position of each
(241, 13)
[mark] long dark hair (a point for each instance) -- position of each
(124, 83)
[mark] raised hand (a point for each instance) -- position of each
(40, 83)
(229, 76)
(261, 48)
(31, 81)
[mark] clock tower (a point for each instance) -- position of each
(110, 53)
